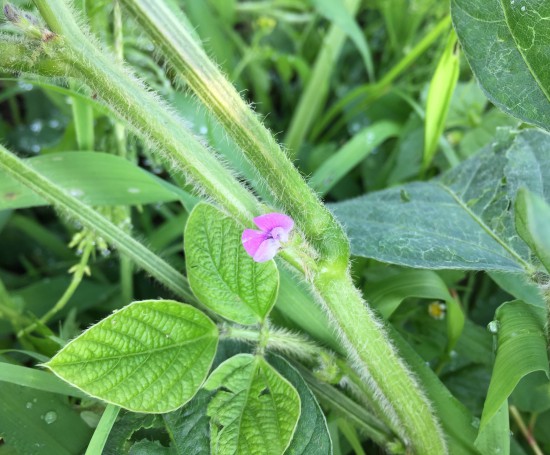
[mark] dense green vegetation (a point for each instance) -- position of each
(406, 309)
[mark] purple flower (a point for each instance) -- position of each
(274, 230)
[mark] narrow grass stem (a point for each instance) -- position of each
(88, 217)
(79, 271)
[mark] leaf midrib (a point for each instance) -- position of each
(129, 355)
(523, 56)
(486, 228)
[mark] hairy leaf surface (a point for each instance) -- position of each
(221, 274)
(506, 44)
(151, 356)
(255, 409)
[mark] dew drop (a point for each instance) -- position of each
(134, 190)
(523, 8)
(28, 405)
(25, 86)
(76, 192)
(35, 148)
(493, 327)
(203, 130)
(50, 417)
(105, 252)
(54, 123)
(36, 126)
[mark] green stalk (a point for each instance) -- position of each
(398, 394)
(275, 171)
(315, 94)
(88, 217)
(148, 115)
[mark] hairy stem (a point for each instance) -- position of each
(375, 359)
(275, 170)
(150, 118)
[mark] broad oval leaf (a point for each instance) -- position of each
(151, 356)
(95, 178)
(221, 274)
(521, 350)
(506, 44)
(189, 426)
(462, 220)
(311, 436)
(254, 407)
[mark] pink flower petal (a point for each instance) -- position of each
(252, 240)
(271, 220)
(268, 249)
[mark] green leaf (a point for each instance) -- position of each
(351, 154)
(532, 394)
(254, 407)
(506, 44)
(462, 220)
(188, 426)
(95, 178)
(439, 98)
(337, 12)
(519, 287)
(36, 379)
(121, 438)
(494, 438)
(150, 356)
(103, 430)
(311, 436)
(533, 224)
(386, 295)
(221, 273)
(521, 350)
(33, 421)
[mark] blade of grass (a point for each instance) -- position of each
(101, 433)
(316, 91)
(36, 379)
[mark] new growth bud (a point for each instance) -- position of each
(29, 24)
(12, 13)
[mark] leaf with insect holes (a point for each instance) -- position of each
(506, 44)
(221, 273)
(150, 356)
(254, 407)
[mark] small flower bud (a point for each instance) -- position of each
(12, 13)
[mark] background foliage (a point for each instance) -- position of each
(427, 139)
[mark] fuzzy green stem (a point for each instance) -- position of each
(363, 336)
(278, 340)
(149, 116)
(275, 171)
(369, 348)
(89, 218)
